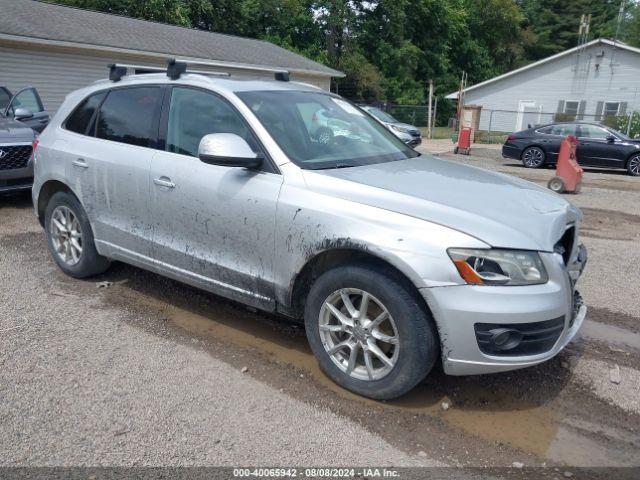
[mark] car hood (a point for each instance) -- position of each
(404, 125)
(501, 210)
(13, 131)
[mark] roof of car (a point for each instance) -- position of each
(576, 122)
(74, 26)
(231, 84)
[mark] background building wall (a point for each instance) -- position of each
(557, 81)
(57, 71)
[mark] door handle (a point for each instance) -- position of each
(164, 182)
(80, 162)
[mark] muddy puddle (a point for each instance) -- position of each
(509, 412)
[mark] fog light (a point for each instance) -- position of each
(505, 339)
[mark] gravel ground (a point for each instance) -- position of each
(152, 372)
(79, 385)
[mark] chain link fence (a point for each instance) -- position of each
(495, 124)
(417, 115)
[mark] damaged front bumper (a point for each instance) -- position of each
(487, 329)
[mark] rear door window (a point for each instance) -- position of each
(81, 118)
(564, 129)
(129, 115)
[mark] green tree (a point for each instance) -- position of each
(554, 23)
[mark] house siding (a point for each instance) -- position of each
(55, 71)
(550, 83)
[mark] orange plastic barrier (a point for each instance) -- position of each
(568, 172)
(464, 141)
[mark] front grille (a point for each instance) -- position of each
(536, 337)
(14, 157)
(414, 133)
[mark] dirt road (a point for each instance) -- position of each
(149, 371)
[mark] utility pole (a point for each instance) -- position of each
(615, 39)
(430, 101)
(435, 115)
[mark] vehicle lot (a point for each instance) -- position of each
(148, 371)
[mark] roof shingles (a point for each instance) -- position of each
(47, 21)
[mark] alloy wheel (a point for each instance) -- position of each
(66, 235)
(533, 157)
(634, 165)
(359, 334)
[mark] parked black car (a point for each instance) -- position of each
(22, 117)
(598, 146)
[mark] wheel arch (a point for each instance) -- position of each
(630, 156)
(47, 190)
(328, 259)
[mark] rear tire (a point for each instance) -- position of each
(406, 322)
(70, 237)
(533, 157)
(633, 166)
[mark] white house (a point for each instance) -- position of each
(58, 49)
(598, 80)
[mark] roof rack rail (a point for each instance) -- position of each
(116, 72)
(175, 68)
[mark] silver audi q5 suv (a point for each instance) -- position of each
(393, 259)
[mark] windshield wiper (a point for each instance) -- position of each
(338, 165)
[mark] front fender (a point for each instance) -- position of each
(309, 223)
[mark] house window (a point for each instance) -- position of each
(571, 108)
(611, 109)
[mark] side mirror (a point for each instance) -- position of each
(611, 139)
(227, 150)
(21, 113)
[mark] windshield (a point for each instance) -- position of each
(318, 131)
(381, 115)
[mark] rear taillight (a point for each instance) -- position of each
(511, 137)
(34, 146)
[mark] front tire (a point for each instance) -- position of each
(370, 333)
(70, 237)
(633, 166)
(533, 157)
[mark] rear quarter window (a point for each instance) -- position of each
(82, 117)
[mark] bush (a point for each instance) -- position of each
(564, 117)
(622, 122)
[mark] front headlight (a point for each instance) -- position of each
(398, 129)
(499, 267)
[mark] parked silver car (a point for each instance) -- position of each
(393, 259)
(407, 133)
